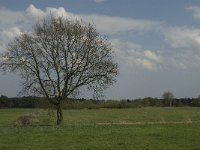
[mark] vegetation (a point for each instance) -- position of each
(168, 98)
(40, 102)
(115, 137)
(60, 57)
(56, 61)
(102, 129)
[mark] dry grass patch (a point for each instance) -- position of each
(27, 119)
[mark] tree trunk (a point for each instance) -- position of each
(59, 113)
(170, 102)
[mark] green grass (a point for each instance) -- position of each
(142, 115)
(159, 129)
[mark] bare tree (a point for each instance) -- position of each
(168, 97)
(58, 58)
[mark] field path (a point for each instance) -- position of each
(143, 123)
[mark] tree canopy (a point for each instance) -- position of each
(58, 58)
(168, 97)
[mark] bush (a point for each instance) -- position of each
(29, 119)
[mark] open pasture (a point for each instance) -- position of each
(104, 129)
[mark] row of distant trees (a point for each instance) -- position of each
(40, 102)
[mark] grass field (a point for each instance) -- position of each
(104, 129)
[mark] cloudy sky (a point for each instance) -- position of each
(156, 42)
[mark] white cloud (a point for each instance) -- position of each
(8, 16)
(151, 55)
(182, 37)
(32, 11)
(106, 24)
(7, 35)
(146, 64)
(11, 32)
(132, 56)
(99, 1)
(13, 22)
(195, 10)
(36, 14)
(112, 24)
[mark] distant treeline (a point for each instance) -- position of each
(39, 102)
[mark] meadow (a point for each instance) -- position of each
(104, 129)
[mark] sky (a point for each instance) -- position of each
(156, 42)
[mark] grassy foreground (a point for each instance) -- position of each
(104, 129)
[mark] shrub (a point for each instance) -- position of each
(28, 119)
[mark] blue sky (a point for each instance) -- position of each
(156, 42)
